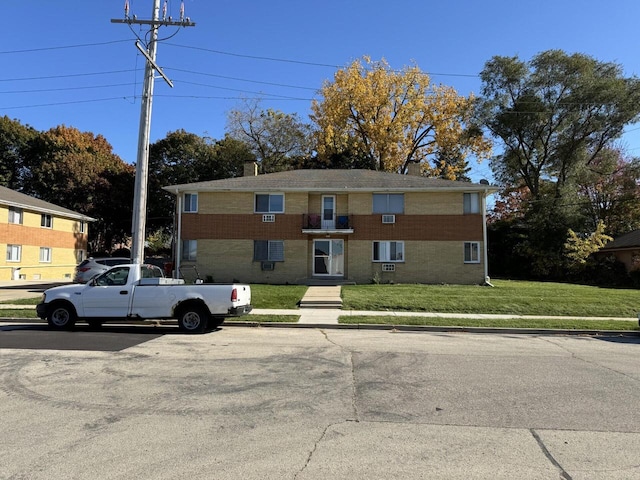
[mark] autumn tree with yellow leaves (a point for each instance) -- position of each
(395, 118)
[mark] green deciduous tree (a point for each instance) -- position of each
(553, 114)
(395, 118)
(580, 247)
(278, 140)
(79, 171)
(609, 189)
(183, 157)
(14, 141)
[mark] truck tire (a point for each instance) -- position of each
(61, 316)
(193, 319)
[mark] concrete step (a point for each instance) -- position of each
(317, 304)
(322, 297)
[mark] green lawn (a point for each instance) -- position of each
(267, 318)
(541, 323)
(506, 297)
(277, 296)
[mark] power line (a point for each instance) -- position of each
(241, 79)
(70, 102)
(69, 88)
(62, 47)
(301, 62)
(70, 75)
(239, 90)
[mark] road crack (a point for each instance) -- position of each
(354, 390)
(564, 475)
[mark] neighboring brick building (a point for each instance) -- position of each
(361, 226)
(41, 241)
(626, 249)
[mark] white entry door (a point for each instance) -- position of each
(328, 212)
(328, 258)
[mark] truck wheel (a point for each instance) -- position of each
(61, 317)
(193, 319)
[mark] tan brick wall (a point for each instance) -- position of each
(360, 203)
(228, 261)
(425, 262)
(433, 203)
(296, 203)
(224, 203)
(64, 239)
(243, 203)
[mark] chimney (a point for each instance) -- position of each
(414, 168)
(250, 169)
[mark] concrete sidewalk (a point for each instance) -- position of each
(330, 316)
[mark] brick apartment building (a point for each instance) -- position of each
(42, 241)
(361, 226)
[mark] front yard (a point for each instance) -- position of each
(506, 297)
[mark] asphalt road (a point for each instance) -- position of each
(277, 403)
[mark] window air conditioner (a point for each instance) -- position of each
(268, 266)
(388, 219)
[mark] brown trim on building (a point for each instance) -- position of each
(41, 237)
(365, 227)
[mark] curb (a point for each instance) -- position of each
(391, 328)
(431, 328)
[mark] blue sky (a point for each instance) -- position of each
(280, 51)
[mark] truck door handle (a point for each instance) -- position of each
(124, 292)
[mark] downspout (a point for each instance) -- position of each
(178, 242)
(487, 279)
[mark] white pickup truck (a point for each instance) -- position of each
(138, 292)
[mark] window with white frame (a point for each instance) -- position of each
(269, 203)
(388, 203)
(15, 215)
(46, 220)
(268, 250)
(388, 251)
(471, 252)
(82, 225)
(191, 202)
(45, 255)
(14, 253)
(189, 249)
(471, 203)
(80, 256)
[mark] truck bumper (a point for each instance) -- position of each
(237, 311)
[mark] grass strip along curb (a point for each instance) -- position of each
(519, 323)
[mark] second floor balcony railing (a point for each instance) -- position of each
(315, 221)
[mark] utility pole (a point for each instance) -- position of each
(138, 224)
